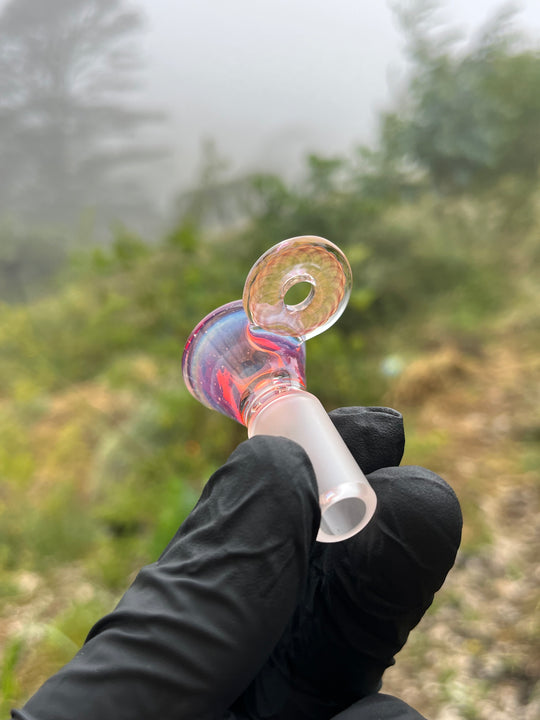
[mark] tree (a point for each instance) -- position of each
(473, 109)
(69, 122)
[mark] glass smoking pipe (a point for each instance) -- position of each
(247, 360)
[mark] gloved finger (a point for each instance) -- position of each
(377, 585)
(363, 597)
(402, 557)
(374, 435)
(196, 626)
(381, 707)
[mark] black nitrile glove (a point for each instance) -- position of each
(246, 616)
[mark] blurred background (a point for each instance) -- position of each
(150, 151)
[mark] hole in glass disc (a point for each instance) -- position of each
(298, 295)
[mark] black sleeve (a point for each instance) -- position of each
(379, 707)
(195, 627)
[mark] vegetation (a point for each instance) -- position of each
(69, 73)
(73, 133)
(103, 452)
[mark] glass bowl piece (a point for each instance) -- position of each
(307, 259)
(247, 360)
(346, 498)
(230, 366)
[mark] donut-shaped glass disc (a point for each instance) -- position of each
(306, 259)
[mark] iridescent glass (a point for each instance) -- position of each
(247, 360)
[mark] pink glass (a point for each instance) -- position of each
(307, 259)
(227, 362)
(247, 360)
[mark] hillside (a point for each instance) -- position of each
(103, 452)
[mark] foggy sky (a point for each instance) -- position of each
(270, 80)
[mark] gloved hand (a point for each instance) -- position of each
(246, 616)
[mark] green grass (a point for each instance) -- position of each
(103, 452)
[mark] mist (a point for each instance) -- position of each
(262, 84)
(151, 151)
(272, 81)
